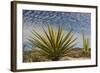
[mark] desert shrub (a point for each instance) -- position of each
(53, 43)
(85, 50)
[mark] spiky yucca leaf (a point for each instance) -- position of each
(85, 50)
(54, 43)
(85, 43)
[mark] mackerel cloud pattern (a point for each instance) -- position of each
(75, 21)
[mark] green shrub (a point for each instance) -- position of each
(53, 43)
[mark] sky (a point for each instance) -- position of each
(75, 21)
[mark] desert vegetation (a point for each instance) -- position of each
(54, 45)
(85, 49)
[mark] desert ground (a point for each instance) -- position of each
(73, 54)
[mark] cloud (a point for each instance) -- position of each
(78, 22)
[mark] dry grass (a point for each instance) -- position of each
(75, 53)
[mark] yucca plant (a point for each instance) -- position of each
(53, 43)
(85, 45)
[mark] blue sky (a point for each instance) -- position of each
(78, 22)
